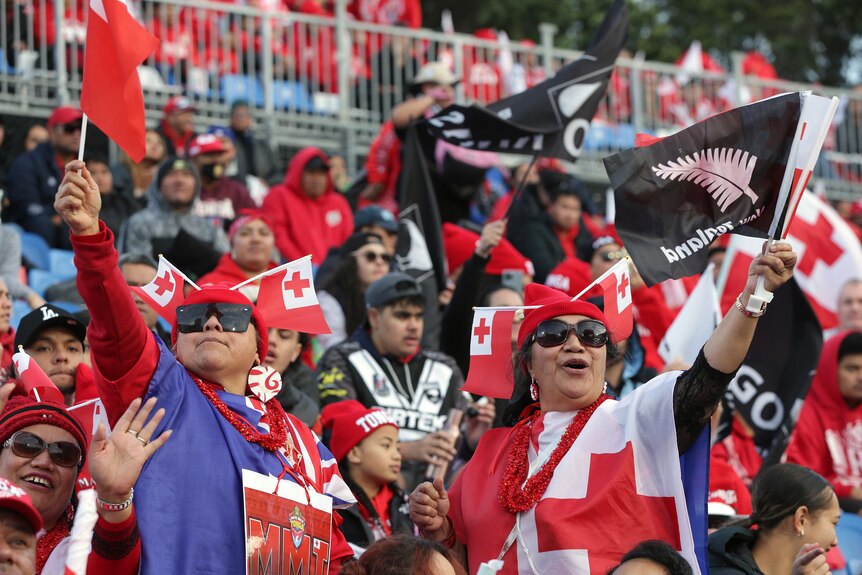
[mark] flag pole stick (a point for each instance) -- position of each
(521, 185)
(84, 121)
(269, 272)
(601, 278)
(182, 275)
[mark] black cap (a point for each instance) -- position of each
(44, 317)
(391, 287)
(316, 164)
(375, 216)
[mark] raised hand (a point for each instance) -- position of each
(116, 461)
(429, 506)
(811, 560)
(776, 265)
(78, 201)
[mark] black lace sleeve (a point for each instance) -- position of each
(695, 397)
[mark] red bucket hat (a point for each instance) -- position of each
(553, 303)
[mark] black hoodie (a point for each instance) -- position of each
(730, 552)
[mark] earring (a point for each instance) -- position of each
(802, 533)
(264, 382)
(534, 390)
(605, 388)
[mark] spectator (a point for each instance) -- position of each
(168, 225)
(389, 13)
(135, 178)
(850, 306)
(338, 173)
(4, 155)
(652, 558)
(254, 157)
(826, 436)
(299, 395)
(795, 511)
(10, 267)
(54, 338)
(221, 198)
(365, 443)
(378, 221)
(363, 260)
(32, 178)
(19, 525)
(252, 249)
(382, 365)
(557, 233)
(7, 334)
(403, 554)
(382, 169)
(308, 215)
(139, 270)
(36, 134)
(117, 206)
(177, 127)
(204, 388)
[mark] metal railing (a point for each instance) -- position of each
(332, 81)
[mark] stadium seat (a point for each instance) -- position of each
(20, 308)
(849, 532)
(241, 87)
(62, 263)
(294, 96)
(598, 137)
(35, 250)
(40, 280)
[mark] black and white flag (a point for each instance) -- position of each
(550, 119)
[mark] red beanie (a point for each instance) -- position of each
(350, 423)
(23, 411)
(506, 257)
(459, 244)
(245, 216)
(553, 303)
(221, 294)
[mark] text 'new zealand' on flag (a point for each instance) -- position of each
(550, 119)
(723, 175)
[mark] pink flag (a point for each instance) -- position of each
(165, 293)
(616, 285)
(287, 298)
(111, 91)
(490, 371)
(35, 382)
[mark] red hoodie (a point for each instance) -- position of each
(828, 437)
(7, 348)
(303, 225)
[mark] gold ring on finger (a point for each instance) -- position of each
(132, 432)
(142, 440)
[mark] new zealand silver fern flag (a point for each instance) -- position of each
(550, 119)
(723, 175)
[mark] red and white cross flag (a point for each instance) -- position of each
(490, 372)
(287, 298)
(616, 284)
(111, 90)
(33, 381)
(165, 292)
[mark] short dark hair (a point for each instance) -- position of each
(851, 345)
(414, 300)
(400, 554)
(658, 552)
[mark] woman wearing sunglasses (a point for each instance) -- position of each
(364, 260)
(580, 478)
(43, 451)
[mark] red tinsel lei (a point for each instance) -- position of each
(272, 441)
(517, 500)
(49, 541)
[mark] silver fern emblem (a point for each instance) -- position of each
(724, 172)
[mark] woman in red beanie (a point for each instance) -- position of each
(579, 480)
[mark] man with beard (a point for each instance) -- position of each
(32, 179)
(169, 225)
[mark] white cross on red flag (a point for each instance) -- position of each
(490, 372)
(165, 292)
(616, 284)
(287, 298)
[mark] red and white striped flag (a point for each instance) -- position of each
(616, 284)
(166, 292)
(490, 372)
(111, 90)
(287, 298)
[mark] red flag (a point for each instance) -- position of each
(111, 91)
(165, 293)
(35, 382)
(89, 414)
(617, 288)
(490, 371)
(287, 298)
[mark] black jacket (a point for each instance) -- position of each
(536, 240)
(730, 552)
(358, 532)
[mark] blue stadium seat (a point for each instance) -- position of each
(623, 136)
(40, 280)
(69, 306)
(849, 532)
(35, 250)
(5, 68)
(62, 263)
(598, 137)
(20, 308)
(241, 87)
(291, 96)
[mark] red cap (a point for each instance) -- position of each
(14, 498)
(206, 144)
(350, 423)
(571, 276)
(178, 104)
(506, 257)
(63, 115)
(728, 495)
(553, 303)
(459, 244)
(221, 294)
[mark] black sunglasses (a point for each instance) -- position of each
(554, 332)
(613, 255)
(72, 128)
(30, 445)
(372, 257)
(232, 316)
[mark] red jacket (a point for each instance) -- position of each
(826, 438)
(303, 225)
(7, 349)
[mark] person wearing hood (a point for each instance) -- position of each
(169, 226)
(308, 215)
(826, 436)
